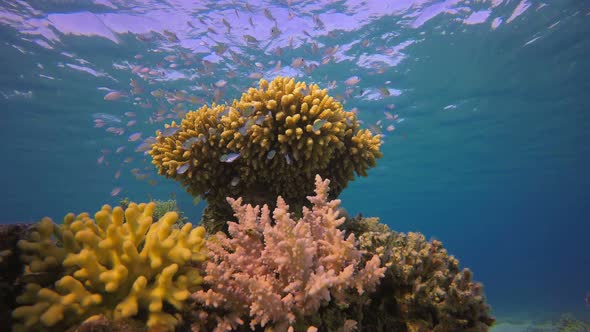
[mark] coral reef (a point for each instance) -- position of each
(315, 272)
(303, 267)
(119, 265)
(279, 272)
(423, 289)
(272, 142)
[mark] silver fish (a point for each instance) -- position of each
(189, 143)
(271, 154)
(259, 120)
(234, 182)
(107, 117)
(230, 157)
(248, 110)
(146, 144)
(318, 124)
(183, 168)
(169, 131)
(244, 129)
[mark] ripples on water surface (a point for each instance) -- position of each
(483, 104)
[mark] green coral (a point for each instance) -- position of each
(161, 208)
(116, 265)
(271, 142)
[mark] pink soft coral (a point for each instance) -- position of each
(277, 273)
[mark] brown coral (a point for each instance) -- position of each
(423, 289)
(271, 142)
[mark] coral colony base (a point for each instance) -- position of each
(274, 259)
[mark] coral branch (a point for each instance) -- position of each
(114, 266)
(278, 272)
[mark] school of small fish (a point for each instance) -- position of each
(239, 55)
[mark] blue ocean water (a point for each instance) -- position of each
(489, 149)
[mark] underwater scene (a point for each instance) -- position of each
(286, 165)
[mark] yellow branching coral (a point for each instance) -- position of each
(115, 265)
(271, 142)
